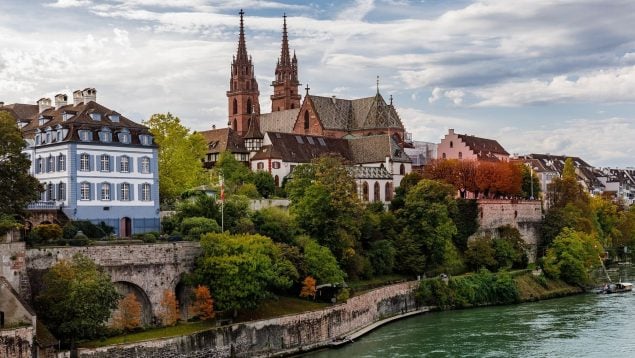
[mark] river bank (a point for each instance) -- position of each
(299, 333)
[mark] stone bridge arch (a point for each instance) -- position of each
(153, 268)
(125, 288)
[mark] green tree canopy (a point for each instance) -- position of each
(320, 263)
(427, 225)
(572, 256)
(265, 183)
(275, 223)
(77, 299)
(234, 173)
(326, 205)
(242, 269)
(530, 182)
(180, 154)
(17, 186)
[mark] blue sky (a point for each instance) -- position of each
(539, 76)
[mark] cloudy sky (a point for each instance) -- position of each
(540, 76)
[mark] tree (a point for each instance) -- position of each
(76, 299)
(180, 154)
(128, 314)
(265, 183)
(169, 311)
(308, 287)
(320, 262)
(529, 181)
(325, 203)
(426, 224)
(17, 186)
(203, 305)
(480, 254)
(572, 256)
(276, 224)
(243, 269)
(234, 173)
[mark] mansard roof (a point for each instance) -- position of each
(220, 140)
(22, 111)
(375, 149)
(362, 113)
(555, 163)
(299, 148)
(484, 148)
(80, 119)
(279, 121)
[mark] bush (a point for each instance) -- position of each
(47, 232)
(382, 257)
(69, 231)
(89, 229)
(343, 295)
(249, 190)
(149, 238)
(481, 288)
(194, 227)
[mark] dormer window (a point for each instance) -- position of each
(85, 135)
(105, 135)
(95, 116)
(145, 139)
(38, 139)
(114, 117)
(66, 116)
(60, 135)
(124, 137)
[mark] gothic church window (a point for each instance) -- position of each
(249, 106)
(402, 169)
(388, 193)
(306, 120)
(235, 109)
(376, 192)
(365, 191)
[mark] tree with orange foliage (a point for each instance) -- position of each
(309, 289)
(203, 305)
(128, 314)
(169, 313)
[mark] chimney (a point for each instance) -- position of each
(213, 126)
(1, 104)
(89, 94)
(333, 99)
(43, 104)
(60, 100)
(77, 97)
(451, 131)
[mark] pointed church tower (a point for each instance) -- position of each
(243, 89)
(285, 86)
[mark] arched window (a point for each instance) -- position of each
(365, 191)
(292, 106)
(451, 144)
(376, 192)
(388, 193)
(105, 191)
(249, 106)
(84, 191)
(306, 120)
(277, 180)
(235, 126)
(145, 192)
(235, 109)
(248, 122)
(460, 155)
(443, 156)
(402, 169)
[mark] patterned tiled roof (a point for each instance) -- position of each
(375, 149)
(280, 121)
(359, 172)
(362, 113)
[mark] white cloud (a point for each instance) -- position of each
(456, 96)
(62, 4)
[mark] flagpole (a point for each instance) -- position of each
(222, 203)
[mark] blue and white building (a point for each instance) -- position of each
(94, 163)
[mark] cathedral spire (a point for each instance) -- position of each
(285, 86)
(243, 88)
(241, 55)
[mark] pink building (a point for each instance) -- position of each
(461, 146)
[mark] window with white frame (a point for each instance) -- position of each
(61, 191)
(61, 163)
(39, 165)
(124, 137)
(59, 135)
(84, 162)
(124, 165)
(50, 192)
(125, 192)
(105, 162)
(105, 191)
(84, 191)
(145, 165)
(145, 192)
(50, 165)
(85, 135)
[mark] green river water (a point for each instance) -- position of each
(587, 325)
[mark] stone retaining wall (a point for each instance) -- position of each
(16, 343)
(277, 336)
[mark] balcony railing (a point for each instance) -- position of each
(39, 205)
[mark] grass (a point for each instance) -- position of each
(268, 309)
(153, 333)
(531, 288)
(280, 306)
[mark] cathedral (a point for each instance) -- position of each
(366, 132)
